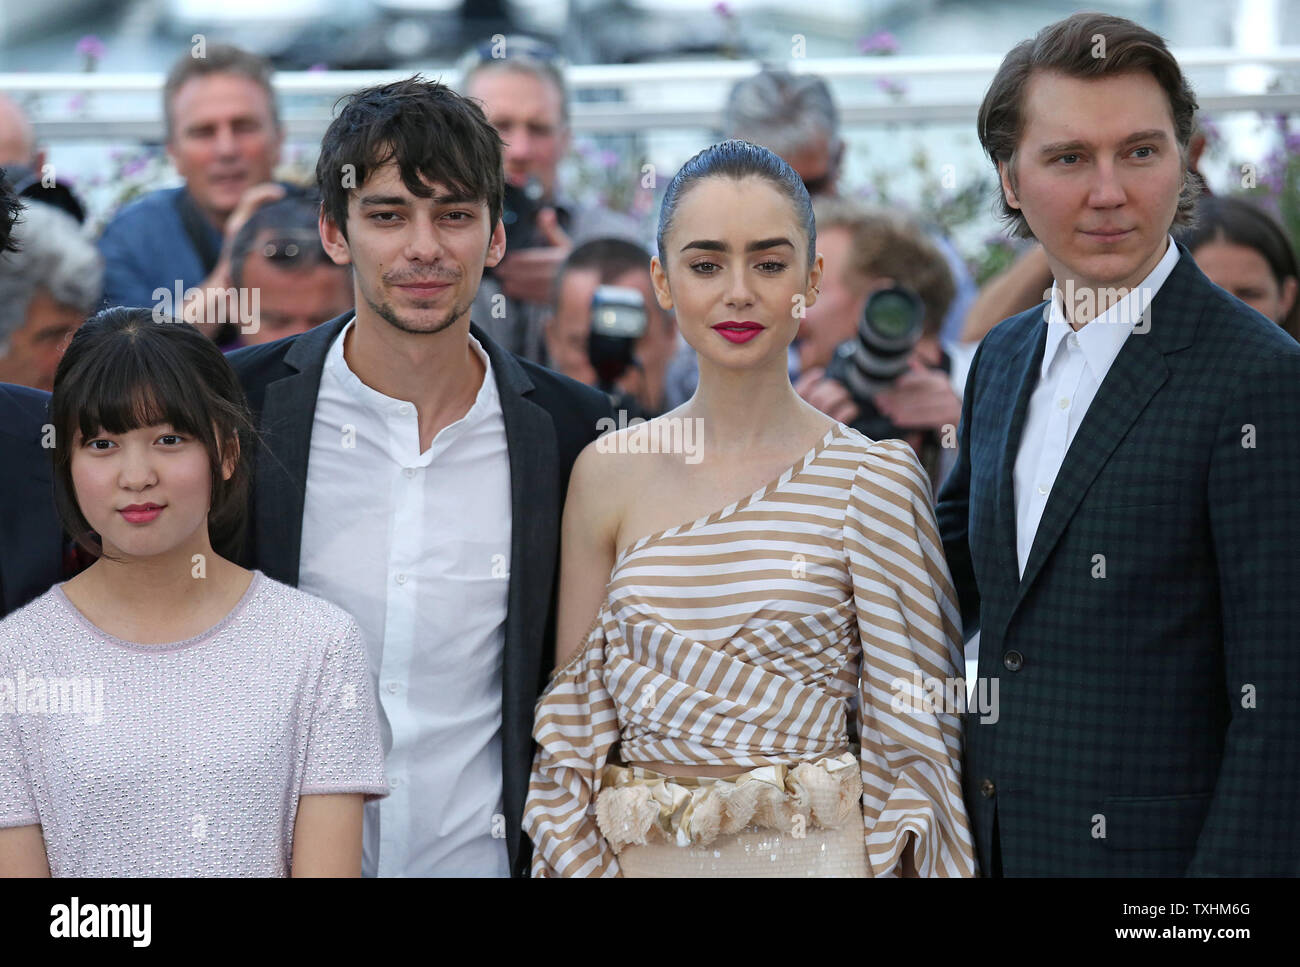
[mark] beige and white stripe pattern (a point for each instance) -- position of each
(739, 639)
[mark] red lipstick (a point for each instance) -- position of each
(738, 331)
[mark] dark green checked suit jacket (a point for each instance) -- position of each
(1148, 663)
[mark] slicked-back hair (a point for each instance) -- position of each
(122, 371)
(737, 159)
(218, 59)
(423, 126)
(1085, 45)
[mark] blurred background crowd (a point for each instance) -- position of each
(165, 159)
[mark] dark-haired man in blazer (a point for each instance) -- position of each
(1123, 522)
(414, 474)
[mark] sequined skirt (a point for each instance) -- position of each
(804, 820)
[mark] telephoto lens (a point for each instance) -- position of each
(889, 330)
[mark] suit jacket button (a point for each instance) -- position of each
(987, 789)
(1013, 660)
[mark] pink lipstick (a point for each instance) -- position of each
(738, 331)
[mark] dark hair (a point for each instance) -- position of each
(738, 159)
(124, 370)
(1236, 220)
(427, 129)
(292, 217)
(1068, 47)
(611, 257)
(10, 209)
(217, 59)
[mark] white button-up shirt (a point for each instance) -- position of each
(416, 546)
(1074, 366)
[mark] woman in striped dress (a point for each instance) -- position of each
(741, 694)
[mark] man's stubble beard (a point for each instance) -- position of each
(386, 312)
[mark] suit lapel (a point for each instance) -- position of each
(1133, 379)
(534, 538)
(1024, 371)
(288, 412)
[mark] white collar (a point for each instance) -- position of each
(1103, 337)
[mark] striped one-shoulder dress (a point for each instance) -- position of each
(742, 638)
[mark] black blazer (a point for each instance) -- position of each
(1148, 720)
(548, 418)
(31, 540)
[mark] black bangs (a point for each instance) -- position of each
(123, 370)
(128, 383)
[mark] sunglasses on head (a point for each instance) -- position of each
(518, 47)
(291, 248)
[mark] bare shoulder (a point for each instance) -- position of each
(627, 463)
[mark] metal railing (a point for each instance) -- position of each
(667, 95)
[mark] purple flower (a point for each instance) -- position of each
(90, 46)
(608, 159)
(134, 166)
(77, 102)
(317, 68)
(722, 9)
(881, 42)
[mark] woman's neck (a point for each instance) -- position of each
(748, 410)
(183, 578)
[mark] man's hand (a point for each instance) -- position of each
(828, 395)
(213, 307)
(527, 275)
(920, 399)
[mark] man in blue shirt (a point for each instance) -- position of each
(224, 136)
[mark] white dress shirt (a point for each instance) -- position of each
(1074, 366)
(416, 546)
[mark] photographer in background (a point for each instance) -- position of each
(869, 349)
(278, 252)
(606, 328)
(519, 81)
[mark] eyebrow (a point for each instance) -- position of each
(711, 245)
(449, 198)
(1059, 147)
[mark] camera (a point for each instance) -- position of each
(891, 325)
(618, 321)
(519, 214)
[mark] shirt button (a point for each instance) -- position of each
(1013, 660)
(401, 579)
(409, 471)
(987, 789)
(395, 781)
(404, 409)
(1073, 340)
(1063, 402)
(1042, 490)
(392, 688)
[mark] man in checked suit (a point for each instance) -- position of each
(1123, 522)
(414, 473)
